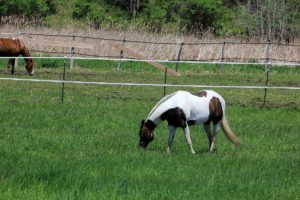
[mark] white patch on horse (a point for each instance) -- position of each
(159, 103)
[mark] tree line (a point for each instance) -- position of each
(270, 19)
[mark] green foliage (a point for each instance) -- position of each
(197, 16)
(155, 17)
(82, 8)
(96, 16)
(30, 8)
(276, 20)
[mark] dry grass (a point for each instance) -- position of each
(204, 50)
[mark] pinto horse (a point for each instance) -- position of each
(182, 109)
(14, 48)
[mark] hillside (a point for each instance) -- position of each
(259, 19)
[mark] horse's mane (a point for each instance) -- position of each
(160, 102)
(23, 49)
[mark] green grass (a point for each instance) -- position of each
(87, 147)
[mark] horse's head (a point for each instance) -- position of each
(146, 135)
(30, 66)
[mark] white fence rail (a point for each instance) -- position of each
(149, 84)
(159, 61)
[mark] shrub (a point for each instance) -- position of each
(29, 9)
(82, 8)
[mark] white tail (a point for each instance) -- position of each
(228, 132)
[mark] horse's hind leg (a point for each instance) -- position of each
(209, 133)
(188, 138)
(214, 135)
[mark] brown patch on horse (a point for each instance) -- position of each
(146, 133)
(191, 122)
(201, 94)
(215, 111)
(175, 117)
(9, 47)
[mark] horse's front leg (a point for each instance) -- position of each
(171, 137)
(11, 62)
(188, 138)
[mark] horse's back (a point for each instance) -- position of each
(9, 47)
(210, 94)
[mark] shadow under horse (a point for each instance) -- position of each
(10, 47)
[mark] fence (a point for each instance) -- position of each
(178, 57)
(87, 46)
(164, 85)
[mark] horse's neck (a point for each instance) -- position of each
(155, 116)
(158, 110)
(24, 51)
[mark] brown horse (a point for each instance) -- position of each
(14, 48)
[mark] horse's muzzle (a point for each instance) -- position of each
(31, 73)
(143, 145)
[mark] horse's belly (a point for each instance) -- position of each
(199, 112)
(8, 52)
(200, 116)
(199, 119)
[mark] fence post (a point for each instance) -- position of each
(72, 54)
(267, 69)
(267, 59)
(178, 56)
(222, 55)
(18, 35)
(16, 63)
(63, 84)
(121, 54)
(165, 81)
(72, 57)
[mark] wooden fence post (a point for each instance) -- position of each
(18, 35)
(72, 54)
(63, 84)
(267, 69)
(121, 54)
(222, 55)
(165, 81)
(267, 59)
(72, 57)
(178, 56)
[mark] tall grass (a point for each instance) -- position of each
(207, 48)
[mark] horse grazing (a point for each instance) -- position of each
(13, 48)
(183, 109)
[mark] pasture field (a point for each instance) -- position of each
(86, 148)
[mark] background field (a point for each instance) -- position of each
(86, 148)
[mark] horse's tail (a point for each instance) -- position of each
(228, 132)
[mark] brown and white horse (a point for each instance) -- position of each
(183, 109)
(13, 48)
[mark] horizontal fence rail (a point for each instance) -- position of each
(152, 60)
(149, 84)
